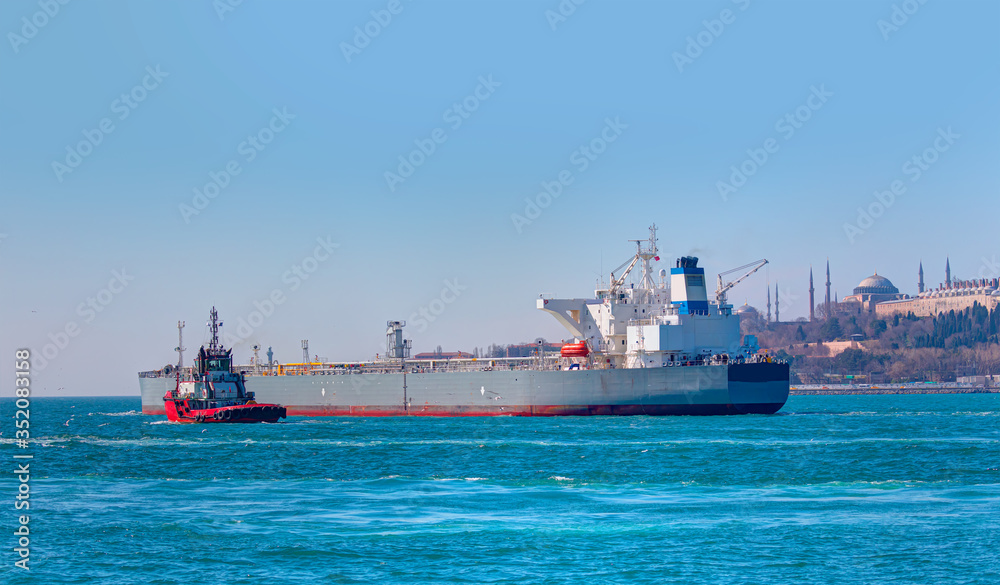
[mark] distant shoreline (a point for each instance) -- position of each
(836, 389)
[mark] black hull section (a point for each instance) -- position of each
(767, 379)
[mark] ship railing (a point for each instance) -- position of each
(549, 361)
(653, 320)
(187, 374)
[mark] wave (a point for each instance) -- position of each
(198, 438)
(126, 413)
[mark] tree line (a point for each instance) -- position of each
(903, 348)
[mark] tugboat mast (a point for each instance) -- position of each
(215, 324)
(180, 345)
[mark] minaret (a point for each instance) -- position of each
(920, 279)
(777, 310)
(828, 288)
(812, 301)
(947, 272)
(768, 303)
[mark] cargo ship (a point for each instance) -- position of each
(649, 346)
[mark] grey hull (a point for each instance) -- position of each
(760, 388)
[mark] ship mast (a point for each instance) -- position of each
(642, 257)
(398, 348)
(646, 255)
(180, 345)
(215, 324)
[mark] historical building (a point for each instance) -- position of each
(812, 300)
(958, 296)
(877, 293)
(874, 290)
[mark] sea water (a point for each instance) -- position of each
(833, 489)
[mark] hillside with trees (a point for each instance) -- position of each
(899, 349)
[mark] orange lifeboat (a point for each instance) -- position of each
(578, 349)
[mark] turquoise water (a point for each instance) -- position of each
(833, 489)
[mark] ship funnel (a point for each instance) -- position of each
(687, 283)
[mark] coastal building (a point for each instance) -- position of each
(957, 295)
(874, 290)
(879, 295)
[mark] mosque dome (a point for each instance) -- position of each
(876, 285)
(746, 309)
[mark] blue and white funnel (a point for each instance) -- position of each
(687, 287)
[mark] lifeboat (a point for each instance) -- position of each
(578, 349)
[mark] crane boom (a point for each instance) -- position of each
(720, 292)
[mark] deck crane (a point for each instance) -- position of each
(720, 292)
(617, 283)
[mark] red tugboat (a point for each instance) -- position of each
(216, 394)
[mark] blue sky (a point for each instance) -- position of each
(115, 113)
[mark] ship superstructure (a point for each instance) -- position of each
(650, 324)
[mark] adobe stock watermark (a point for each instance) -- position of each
(123, 105)
(88, 310)
(703, 39)
(786, 126)
(424, 316)
(30, 26)
(363, 35)
(224, 7)
(914, 168)
(580, 159)
(990, 267)
(253, 145)
(786, 297)
(292, 279)
(899, 16)
(454, 116)
(563, 11)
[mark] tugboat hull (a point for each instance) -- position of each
(178, 411)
